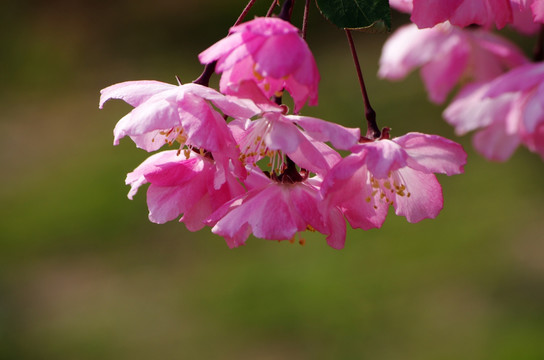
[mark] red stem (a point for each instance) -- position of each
(244, 12)
(272, 7)
(373, 131)
(305, 18)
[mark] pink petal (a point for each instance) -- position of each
(469, 110)
(254, 210)
(538, 10)
(384, 156)
(519, 79)
(425, 200)
(399, 57)
(204, 127)
(154, 114)
(494, 143)
(222, 48)
(283, 135)
(427, 13)
(137, 177)
(167, 203)
(133, 92)
(402, 5)
(280, 56)
(483, 12)
(441, 75)
(176, 172)
(336, 229)
(321, 130)
(229, 105)
(433, 153)
(312, 155)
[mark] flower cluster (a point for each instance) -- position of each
(243, 165)
(501, 89)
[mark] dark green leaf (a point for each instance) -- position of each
(365, 15)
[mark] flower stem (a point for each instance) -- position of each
(286, 10)
(272, 7)
(305, 18)
(204, 78)
(373, 131)
(244, 12)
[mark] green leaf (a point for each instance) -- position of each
(365, 15)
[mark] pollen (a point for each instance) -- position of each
(253, 146)
(256, 74)
(386, 190)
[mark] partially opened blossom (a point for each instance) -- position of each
(278, 209)
(507, 112)
(447, 55)
(397, 172)
(165, 113)
(182, 185)
(428, 13)
(271, 52)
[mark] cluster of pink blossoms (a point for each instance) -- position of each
(502, 91)
(243, 165)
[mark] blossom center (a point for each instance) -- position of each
(253, 146)
(386, 190)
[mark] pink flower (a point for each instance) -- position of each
(166, 113)
(278, 210)
(274, 134)
(397, 172)
(182, 185)
(428, 13)
(271, 52)
(508, 111)
(446, 55)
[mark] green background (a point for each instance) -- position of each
(85, 275)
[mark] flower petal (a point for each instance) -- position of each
(133, 92)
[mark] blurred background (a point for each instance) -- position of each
(85, 275)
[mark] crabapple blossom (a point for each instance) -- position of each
(216, 178)
(446, 55)
(397, 172)
(508, 111)
(271, 52)
(182, 185)
(278, 208)
(165, 113)
(274, 133)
